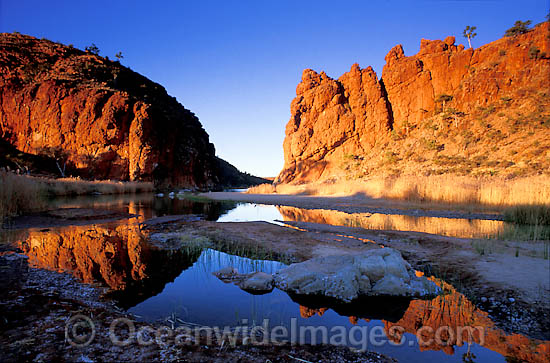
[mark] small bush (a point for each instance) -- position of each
(520, 27)
(390, 157)
(432, 145)
(534, 53)
(92, 49)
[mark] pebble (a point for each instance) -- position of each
(511, 299)
(483, 299)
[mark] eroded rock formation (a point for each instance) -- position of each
(340, 123)
(99, 118)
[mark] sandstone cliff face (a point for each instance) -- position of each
(498, 91)
(100, 117)
(331, 117)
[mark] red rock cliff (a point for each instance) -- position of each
(106, 120)
(497, 91)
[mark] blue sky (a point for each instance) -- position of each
(236, 64)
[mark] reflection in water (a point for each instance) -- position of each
(454, 310)
(245, 212)
(115, 255)
(147, 205)
(466, 228)
(154, 283)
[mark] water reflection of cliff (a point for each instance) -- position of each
(443, 226)
(148, 206)
(117, 256)
(454, 310)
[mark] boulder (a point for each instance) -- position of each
(257, 282)
(381, 272)
(226, 273)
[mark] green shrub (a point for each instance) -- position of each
(534, 53)
(432, 144)
(520, 27)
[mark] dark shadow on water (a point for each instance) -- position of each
(372, 307)
(163, 267)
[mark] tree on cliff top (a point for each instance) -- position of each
(92, 49)
(520, 27)
(469, 34)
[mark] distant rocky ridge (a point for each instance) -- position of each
(101, 119)
(444, 110)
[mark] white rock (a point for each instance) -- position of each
(345, 277)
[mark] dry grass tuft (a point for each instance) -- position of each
(18, 195)
(445, 189)
(262, 189)
(21, 193)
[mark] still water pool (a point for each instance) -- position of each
(154, 284)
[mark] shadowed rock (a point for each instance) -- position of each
(255, 282)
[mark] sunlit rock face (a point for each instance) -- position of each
(332, 119)
(106, 120)
(116, 256)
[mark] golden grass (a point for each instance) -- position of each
(464, 190)
(22, 193)
(262, 189)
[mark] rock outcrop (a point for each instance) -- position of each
(380, 272)
(255, 282)
(99, 118)
(445, 99)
